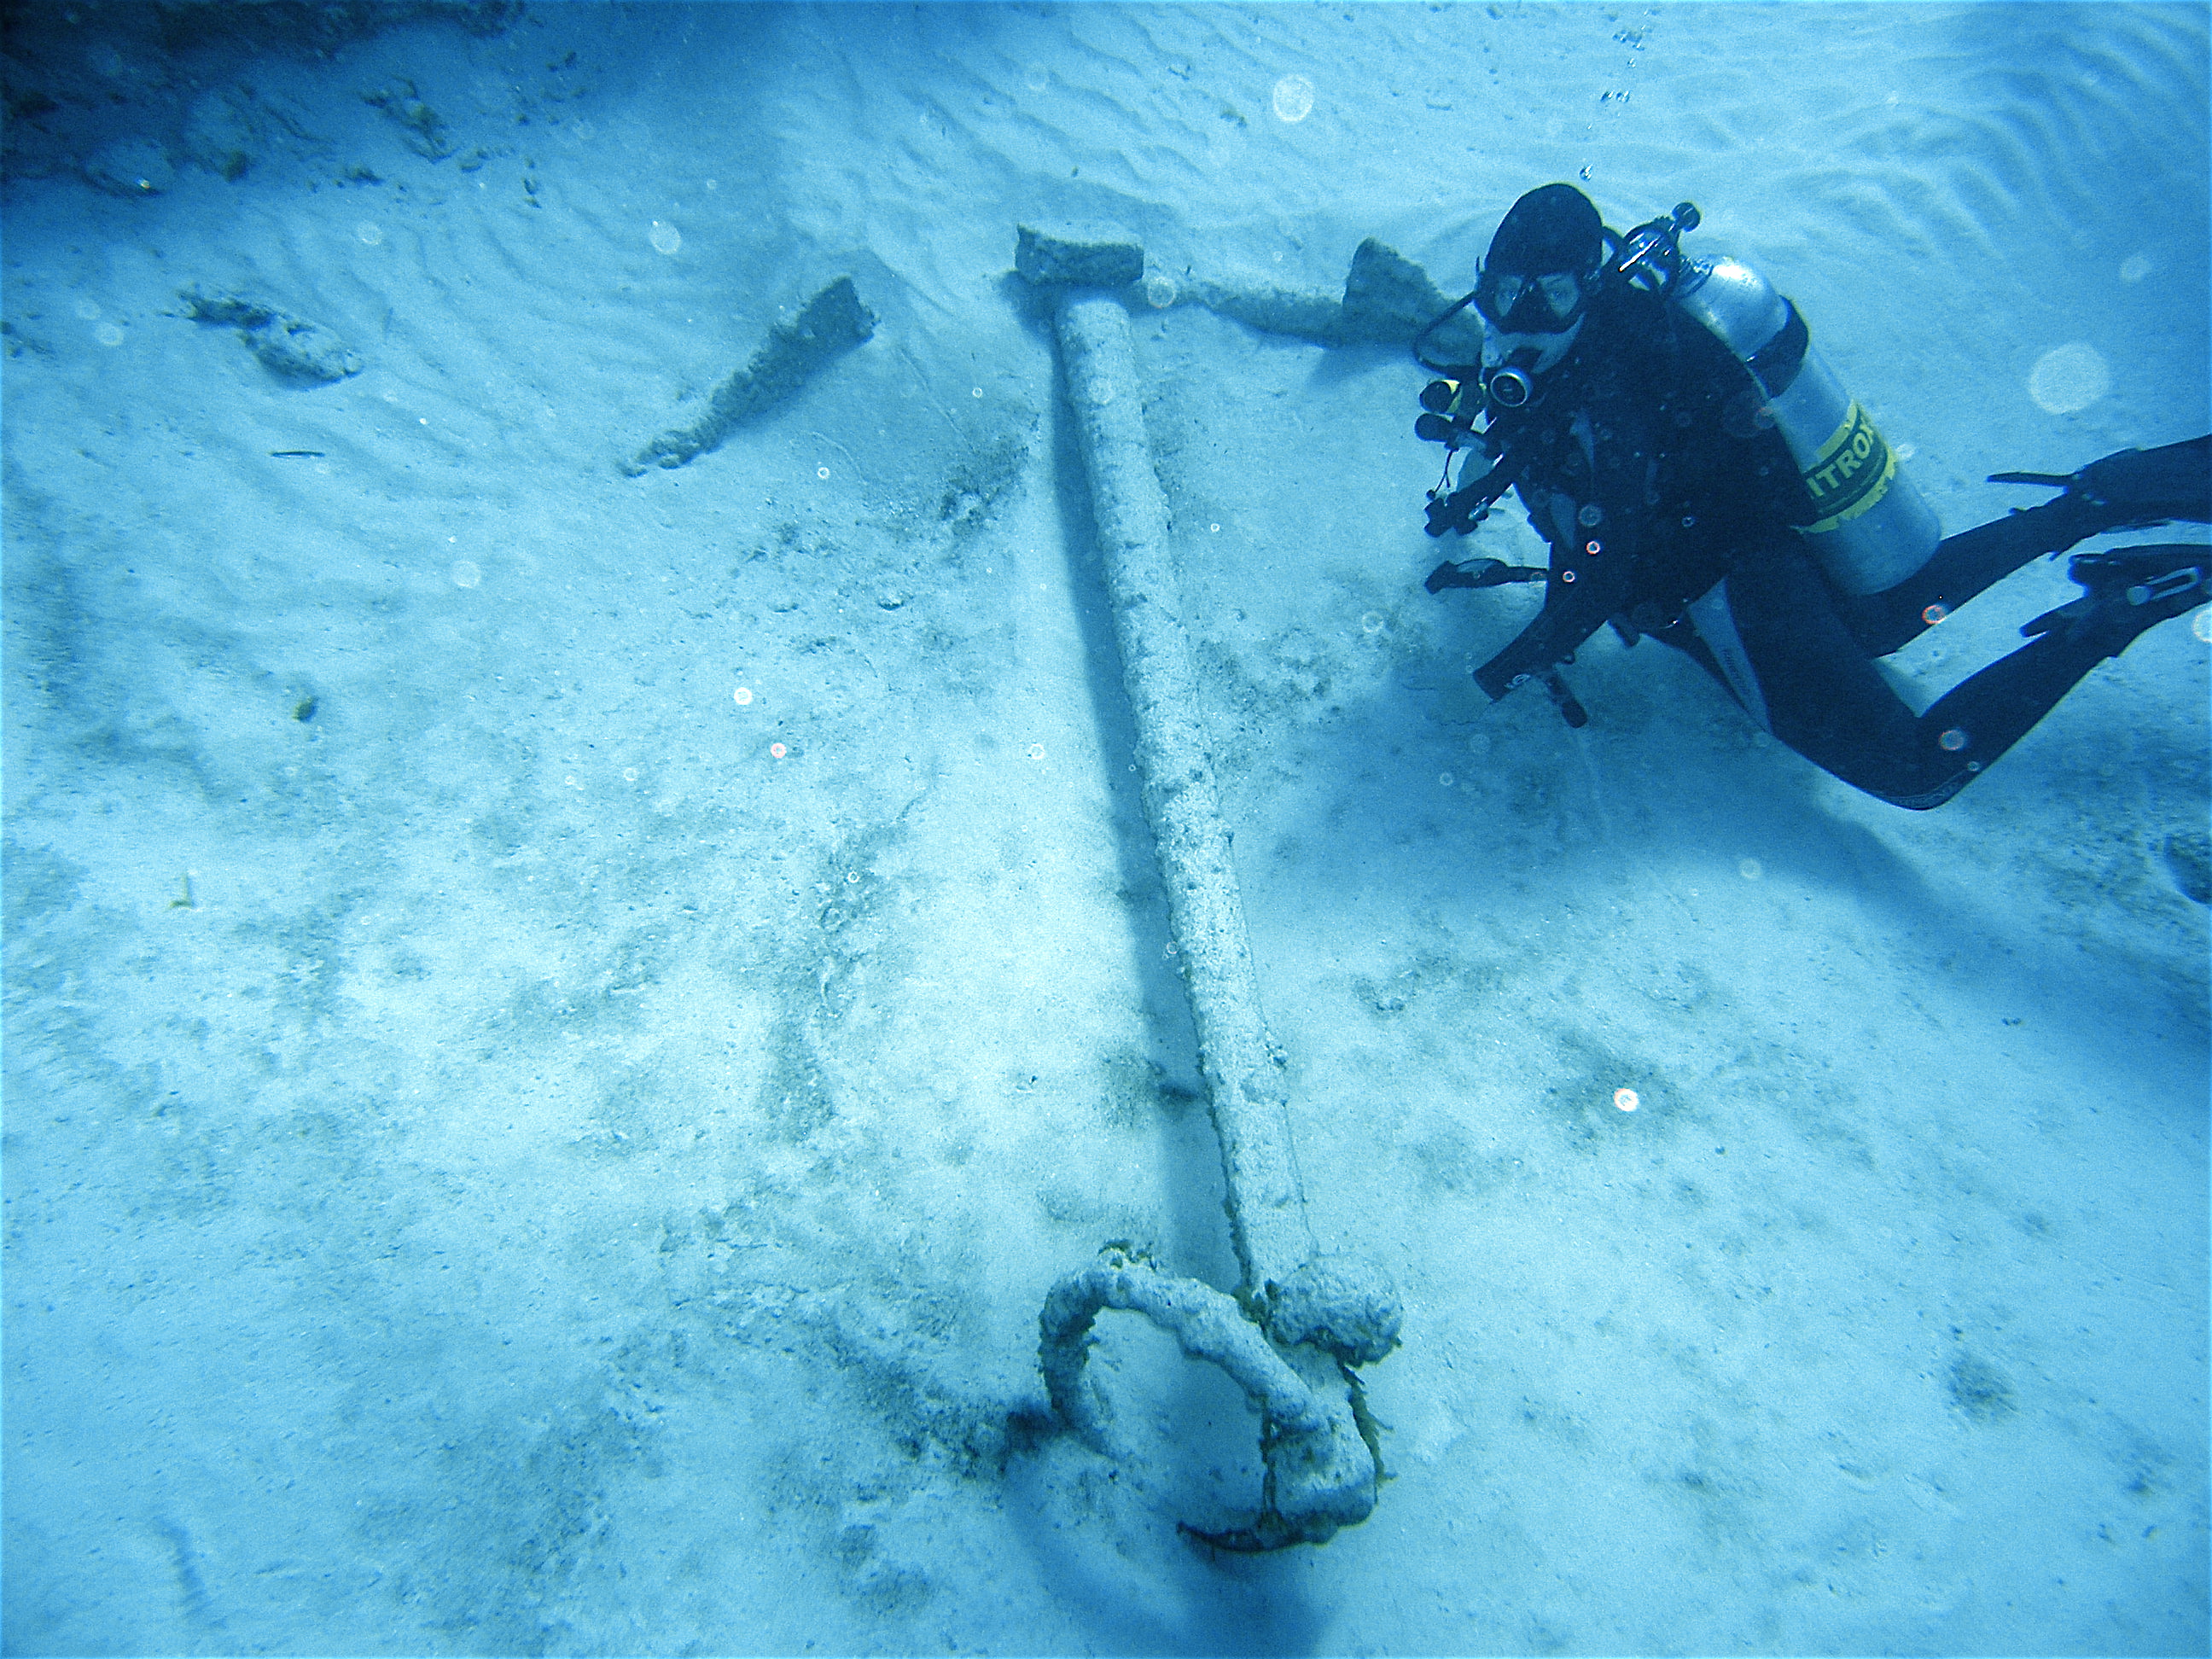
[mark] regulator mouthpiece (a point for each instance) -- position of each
(1512, 384)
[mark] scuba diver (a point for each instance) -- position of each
(1701, 478)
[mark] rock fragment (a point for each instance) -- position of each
(288, 346)
(832, 324)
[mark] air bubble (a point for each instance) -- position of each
(778, 750)
(2068, 379)
(1160, 291)
(2136, 266)
(1371, 622)
(629, 775)
(465, 573)
(2201, 625)
(1951, 741)
(1934, 614)
(1625, 1099)
(1294, 98)
(821, 472)
(1036, 751)
(108, 335)
(87, 311)
(1446, 779)
(666, 238)
(369, 235)
(743, 696)
(1750, 869)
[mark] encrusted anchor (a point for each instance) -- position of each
(1298, 1322)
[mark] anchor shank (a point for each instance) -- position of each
(1250, 1110)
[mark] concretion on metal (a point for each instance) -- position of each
(1320, 1469)
(1205, 914)
(1290, 1334)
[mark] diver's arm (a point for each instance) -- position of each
(1551, 638)
(1482, 572)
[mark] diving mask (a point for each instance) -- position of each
(1545, 303)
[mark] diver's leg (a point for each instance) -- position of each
(1981, 717)
(1823, 697)
(1775, 622)
(2130, 591)
(2126, 490)
(1962, 565)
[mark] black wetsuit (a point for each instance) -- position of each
(1646, 461)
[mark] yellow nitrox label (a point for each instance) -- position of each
(1852, 472)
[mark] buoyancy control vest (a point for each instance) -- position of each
(1642, 472)
(1858, 514)
(1872, 530)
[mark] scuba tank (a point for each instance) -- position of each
(1874, 530)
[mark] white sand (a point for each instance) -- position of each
(570, 1180)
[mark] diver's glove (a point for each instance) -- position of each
(1460, 511)
(1467, 507)
(2135, 487)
